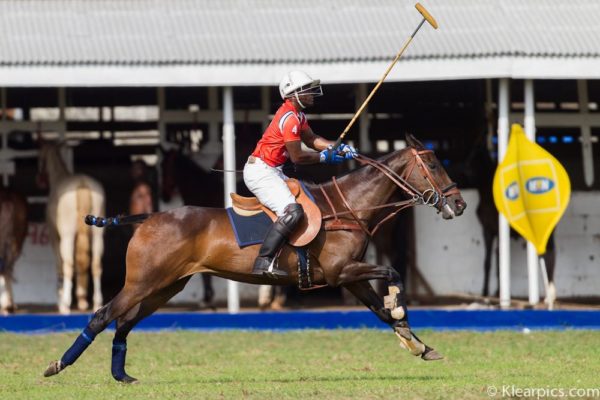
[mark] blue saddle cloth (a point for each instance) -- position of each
(253, 229)
(249, 230)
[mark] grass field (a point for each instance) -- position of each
(364, 364)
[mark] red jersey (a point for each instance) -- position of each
(285, 127)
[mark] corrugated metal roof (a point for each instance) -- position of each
(239, 32)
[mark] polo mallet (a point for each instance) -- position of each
(426, 17)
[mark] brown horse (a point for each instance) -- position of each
(171, 246)
(13, 230)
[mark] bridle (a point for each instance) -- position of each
(435, 196)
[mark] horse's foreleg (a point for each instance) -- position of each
(127, 321)
(97, 249)
(550, 262)
(488, 240)
(123, 302)
(391, 309)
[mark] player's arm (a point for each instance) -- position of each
(313, 140)
(299, 156)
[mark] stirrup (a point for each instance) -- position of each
(265, 266)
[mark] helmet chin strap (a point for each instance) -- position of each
(298, 100)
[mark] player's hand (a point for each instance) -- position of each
(347, 151)
(331, 156)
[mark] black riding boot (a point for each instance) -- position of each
(276, 236)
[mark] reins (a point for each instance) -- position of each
(430, 197)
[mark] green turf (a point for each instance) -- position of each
(341, 364)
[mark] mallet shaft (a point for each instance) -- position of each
(426, 17)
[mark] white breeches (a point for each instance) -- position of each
(268, 185)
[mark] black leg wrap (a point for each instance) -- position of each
(119, 352)
(81, 343)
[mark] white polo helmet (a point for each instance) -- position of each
(298, 82)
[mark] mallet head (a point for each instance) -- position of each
(426, 15)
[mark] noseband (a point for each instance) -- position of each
(433, 197)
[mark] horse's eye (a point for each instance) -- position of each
(432, 166)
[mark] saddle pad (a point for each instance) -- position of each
(249, 230)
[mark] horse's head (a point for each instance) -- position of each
(429, 181)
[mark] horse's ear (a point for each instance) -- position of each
(412, 141)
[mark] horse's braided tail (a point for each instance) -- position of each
(82, 239)
(101, 222)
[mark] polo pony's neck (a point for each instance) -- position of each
(369, 187)
(55, 166)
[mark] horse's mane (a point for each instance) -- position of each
(363, 167)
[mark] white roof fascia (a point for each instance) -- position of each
(270, 74)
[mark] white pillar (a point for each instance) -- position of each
(233, 296)
(503, 229)
(532, 257)
(364, 142)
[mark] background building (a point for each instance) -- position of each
(117, 79)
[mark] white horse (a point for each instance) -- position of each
(71, 198)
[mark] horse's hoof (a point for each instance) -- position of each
(129, 380)
(64, 310)
(54, 368)
(431, 355)
(82, 305)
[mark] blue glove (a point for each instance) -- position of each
(347, 151)
(330, 156)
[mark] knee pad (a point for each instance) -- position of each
(293, 213)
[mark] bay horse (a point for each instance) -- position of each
(171, 246)
(72, 197)
(13, 230)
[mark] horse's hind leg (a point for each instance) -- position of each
(550, 263)
(392, 309)
(127, 321)
(488, 240)
(66, 248)
(97, 250)
(209, 292)
(7, 305)
(123, 302)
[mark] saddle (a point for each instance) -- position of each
(307, 228)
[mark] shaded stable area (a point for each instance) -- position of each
(108, 127)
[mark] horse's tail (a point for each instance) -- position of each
(119, 220)
(82, 239)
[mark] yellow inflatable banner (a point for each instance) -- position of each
(531, 189)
